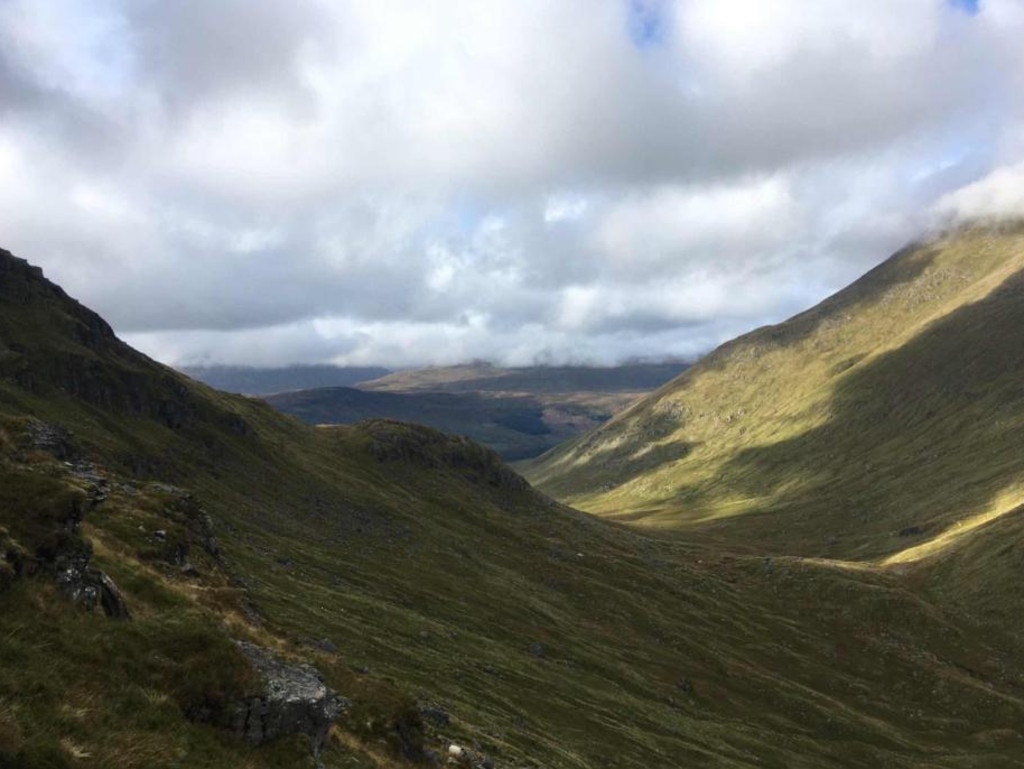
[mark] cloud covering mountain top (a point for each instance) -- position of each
(250, 181)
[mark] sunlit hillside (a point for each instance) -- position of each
(886, 419)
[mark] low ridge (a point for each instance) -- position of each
(519, 412)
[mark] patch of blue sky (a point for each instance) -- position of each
(467, 214)
(967, 154)
(648, 22)
(971, 7)
(89, 48)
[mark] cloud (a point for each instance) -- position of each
(409, 182)
(670, 228)
(998, 195)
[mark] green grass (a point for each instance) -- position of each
(437, 574)
(438, 582)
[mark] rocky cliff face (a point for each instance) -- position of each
(49, 343)
(23, 286)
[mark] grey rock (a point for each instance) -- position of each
(89, 587)
(437, 714)
(327, 645)
(73, 582)
(52, 438)
(113, 603)
(295, 700)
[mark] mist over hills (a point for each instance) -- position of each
(445, 601)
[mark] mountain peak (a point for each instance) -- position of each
(53, 347)
(23, 286)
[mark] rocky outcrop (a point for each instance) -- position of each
(51, 438)
(44, 538)
(52, 344)
(90, 588)
(186, 510)
(295, 700)
(187, 529)
(67, 557)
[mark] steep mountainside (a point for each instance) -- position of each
(439, 596)
(884, 419)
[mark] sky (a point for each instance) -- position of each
(424, 182)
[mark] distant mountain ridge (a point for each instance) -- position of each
(253, 380)
(484, 377)
(518, 412)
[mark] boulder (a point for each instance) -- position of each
(327, 645)
(89, 587)
(294, 700)
(111, 600)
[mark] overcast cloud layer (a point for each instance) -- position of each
(411, 182)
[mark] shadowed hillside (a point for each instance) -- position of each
(148, 523)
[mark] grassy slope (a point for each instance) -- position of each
(433, 570)
(895, 406)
